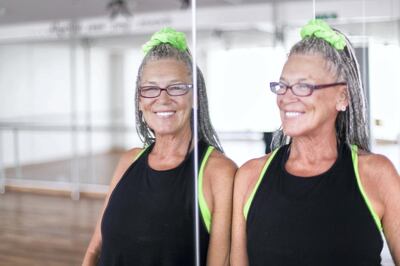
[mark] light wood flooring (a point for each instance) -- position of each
(45, 230)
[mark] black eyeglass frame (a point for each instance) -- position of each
(311, 87)
(166, 89)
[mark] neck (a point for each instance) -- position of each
(170, 150)
(311, 156)
(173, 145)
(309, 149)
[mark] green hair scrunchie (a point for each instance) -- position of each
(321, 29)
(166, 35)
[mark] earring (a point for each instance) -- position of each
(343, 108)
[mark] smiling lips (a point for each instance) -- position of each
(293, 114)
(165, 113)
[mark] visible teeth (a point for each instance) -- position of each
(292, 114)
(165, 113)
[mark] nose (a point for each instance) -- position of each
(288, 92)
(288, 96)
(164, 97)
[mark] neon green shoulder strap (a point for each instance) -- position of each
(354, 156)
(140, 153)
(250, 199)
(205, 211)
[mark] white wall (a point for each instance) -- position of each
(238, 88)
(35, 82)
(385, 90)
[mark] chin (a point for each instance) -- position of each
(164, 131)
(293, 132)
(163, 128)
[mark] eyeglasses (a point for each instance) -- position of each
(172, 90)
(300, 89)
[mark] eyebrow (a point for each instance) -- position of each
(171, 82)
(150, 82)
(177, 81)
(299, 80)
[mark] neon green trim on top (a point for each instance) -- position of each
(354, 156)
(250, 199)
(140, 153)
(205, 211)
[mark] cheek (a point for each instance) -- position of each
(188, 108)
(188, 102)
(278, 101)
(141, 103)
(190, 96)
(145, 104)
(327, 103)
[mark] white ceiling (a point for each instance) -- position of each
(382, 22)
(23, 11)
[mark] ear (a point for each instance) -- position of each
(342, 99)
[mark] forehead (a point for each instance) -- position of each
(308, 67)
(165, 70)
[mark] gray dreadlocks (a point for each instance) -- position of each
(205, 129)
(351, 125)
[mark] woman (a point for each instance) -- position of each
(148, 213)
(320, 197)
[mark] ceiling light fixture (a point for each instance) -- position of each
(185, 4)
(118, 8)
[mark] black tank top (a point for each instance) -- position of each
(149, 219)
(319, 220)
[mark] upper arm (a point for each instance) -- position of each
(94, 247)
(245, 181)
(391, 214)
(220, 173)
(382, 184)
(218, 188)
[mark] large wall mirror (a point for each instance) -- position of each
(68, 71)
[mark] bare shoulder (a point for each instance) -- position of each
(130, 155)
(377, 167)
(379, 176)
(219, 172)
(248, 174)
(126, 159)
(219, 164)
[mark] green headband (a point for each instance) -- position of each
(321, 29)
(166, 35)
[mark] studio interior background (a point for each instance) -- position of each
(67, 80)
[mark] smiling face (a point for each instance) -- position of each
(166, 115)
(312, 115)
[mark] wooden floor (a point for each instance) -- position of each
(45, 230)
(97, 169)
